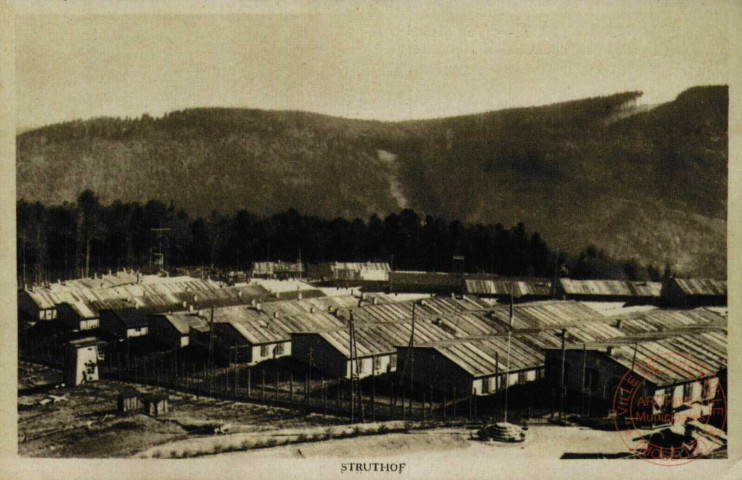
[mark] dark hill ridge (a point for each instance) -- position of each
(650, 185)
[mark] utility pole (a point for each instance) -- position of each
(210, 364)
(308, 380)
(355, 378)
(584, 379)
(410, 355)
(507, 372)
(561, 380)
(350, 367)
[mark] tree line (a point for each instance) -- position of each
(77, 239)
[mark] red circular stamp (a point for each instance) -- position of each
(670, 409)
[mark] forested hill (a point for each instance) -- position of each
(645, 184)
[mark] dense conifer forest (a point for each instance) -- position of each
(63, 241)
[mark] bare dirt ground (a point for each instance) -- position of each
(82, 421)
(32, 375)
(542, 442)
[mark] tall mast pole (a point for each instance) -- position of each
(411, 352)
(507, 373)
(210, 365)
(561, 379)
(352, 364)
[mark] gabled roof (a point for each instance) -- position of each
(82, 310)
(42, 297)
(646, 289)
(596, 287)
(543, 315)
(504, 287)
(702, 351)
(259, 327)
(131, 317)
(360, 266)
(183, 322)
(701, 286)
(477, 356)
(382, 338)
(276, 267)
(660, 320)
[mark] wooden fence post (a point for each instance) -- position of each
(391, 400)
(236, 380)
(444, 405)
(373, 397)
(430, 403)
(196, 385)
(454, 403)
(404, 406)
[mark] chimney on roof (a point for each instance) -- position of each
(618, 324)
(252, 302)
(311, 309)
(374, 301)
(258, 307)
(609, 351)
(275, 314)
(363, 296)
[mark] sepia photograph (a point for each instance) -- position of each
(373, 237)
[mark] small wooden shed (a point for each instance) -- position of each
(155, 405)
(128, 402)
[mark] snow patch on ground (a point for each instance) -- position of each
(395, 186)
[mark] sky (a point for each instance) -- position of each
(378, 63)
